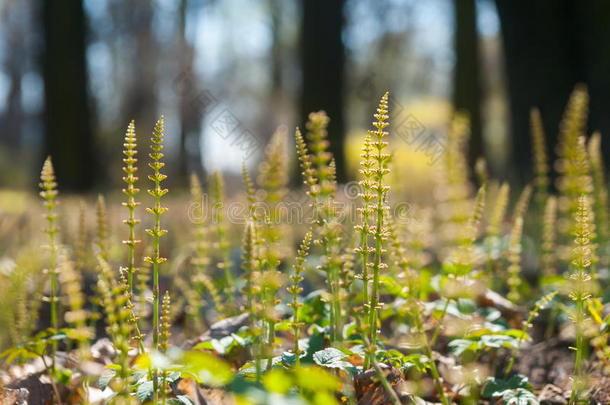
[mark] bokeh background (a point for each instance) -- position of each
(227, 73)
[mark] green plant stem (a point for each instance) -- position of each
(52, 378)
(54, 282)
(364, 258)
(433, 369)
(437, 330)
(376, 270)
(271, 338)
(580, 347)
(513, 356)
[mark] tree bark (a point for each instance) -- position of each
(191, 111)
(322, 66)
(68, 133)
(466, 77)
(549, 47)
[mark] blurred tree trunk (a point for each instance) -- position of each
(14, 66)
(550, 46)
(466, 82)
(67, 113)
(189, 159)
(322, 64)
(140, 90)
(540, 70)
(275, 114)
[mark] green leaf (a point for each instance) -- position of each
(498, 341)
(145, 391)
(332, 358)
(314, 344)
(459, 346)
(466, 305)
(207, 368)
(494, 386)
(103, 381)
(328, 356)
(314, 309)
(349, 330)
(519, 396)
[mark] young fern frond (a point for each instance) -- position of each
(514, 256)
(76, 316)
(541, 164)
(48, 192)
(573, 164)
(250, 265)
(251, 268)
(294, 289)
(494, 226)
(549, 237)
(364, 228)
(273, 180)
(165, 323)
(101, 239)
(454, 188)
(319, 175)
(380, 171)
(222, 245)
(462, 258)
(119, 326)
(522, 202)
(250, 192)
(80, 244)
(202, 249)
(305, 161)
(273, 170)
(583, 256)
(142, 279)
(130, 151)
(164, 342)
(600, 192)
(157, 192)
(538, 306)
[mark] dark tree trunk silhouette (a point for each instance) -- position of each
(14, 65)
(140, 92)
(550, 46)
(322, 62)
(466, 78)
(67, 113)
(187, 85)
